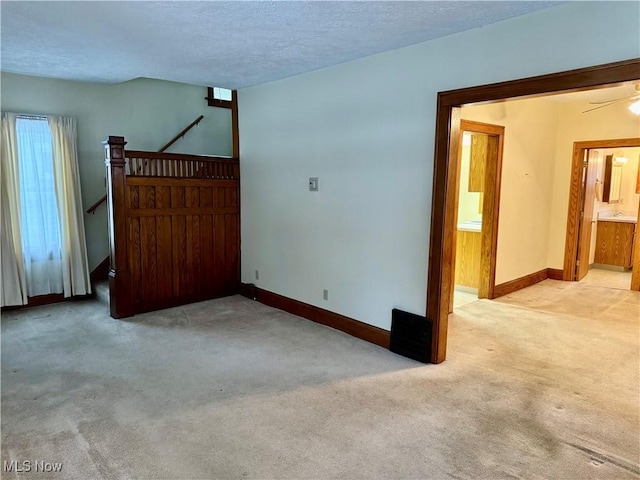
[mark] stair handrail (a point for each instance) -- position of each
(182, 133)
(92, 208)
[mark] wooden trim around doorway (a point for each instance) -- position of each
(635, 260)
(490, 206)
(443, 221)
(575, 196)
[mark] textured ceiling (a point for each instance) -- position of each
(230, 44)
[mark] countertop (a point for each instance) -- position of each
(471, 226)
(625, 217)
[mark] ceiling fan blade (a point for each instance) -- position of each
(609, 101)
(613, 102)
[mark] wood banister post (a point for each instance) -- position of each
(121, 301)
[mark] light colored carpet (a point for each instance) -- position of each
(461, 298)
(234, 389)
(608, 278)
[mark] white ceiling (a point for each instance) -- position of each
(606, 93)
(229, 44)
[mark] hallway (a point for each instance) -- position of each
(607, 278)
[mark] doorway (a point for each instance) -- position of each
(477, 200)
(443, 218)
(603, 212)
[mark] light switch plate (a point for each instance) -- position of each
(313, 184)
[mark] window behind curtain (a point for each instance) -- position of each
(39, 223)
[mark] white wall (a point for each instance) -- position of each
(366, 129)
(527, 181)
(148, 113)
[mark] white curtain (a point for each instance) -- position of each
(40, 225)
(75, 266)
(13, 287)
(42, 238)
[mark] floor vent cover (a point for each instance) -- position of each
(410, 336)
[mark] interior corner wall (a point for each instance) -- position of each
(148, 113)
(527, 181)
(366, 129)
(613, 122)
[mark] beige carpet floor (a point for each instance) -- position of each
(608, 278)
(541, 384)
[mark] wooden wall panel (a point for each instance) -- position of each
(206, 239)
(180, 255)
(231, 252)
(134, 197)
(163, 196)
(184, 240)
(148, 264)
(134, 259)
(148, 268)
(196, 257)
(219, 258)
(165, 264)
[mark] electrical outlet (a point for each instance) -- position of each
(257, 275)
(325, 294)
(313, 184)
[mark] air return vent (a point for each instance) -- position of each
(410, 335)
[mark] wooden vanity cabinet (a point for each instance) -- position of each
(614, 243)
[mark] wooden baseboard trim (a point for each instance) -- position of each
(180, 301)
(101, 272)
(249, 290)
(555, 273)
(520, 283)
(42, 300)
(348, 325)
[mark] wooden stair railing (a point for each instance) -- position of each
(179, 165)
(155, 264)
(183, 132)
(92, 208)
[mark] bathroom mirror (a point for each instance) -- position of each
(612, 179)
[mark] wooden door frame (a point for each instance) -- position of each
(575, 197)
(490, 207)
(635, 259)
(443, 221)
